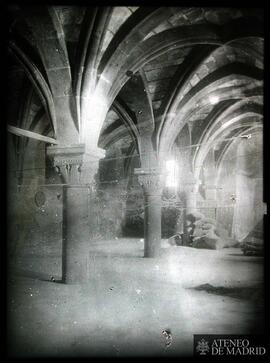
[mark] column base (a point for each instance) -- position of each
(151, 254)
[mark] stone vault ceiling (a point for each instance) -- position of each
(167, 63)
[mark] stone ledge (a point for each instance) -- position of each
(71, 150)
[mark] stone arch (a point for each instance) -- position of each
(221, 88)
(236, 122)
(238, 108)
(38, 81)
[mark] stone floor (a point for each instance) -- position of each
(130, 300)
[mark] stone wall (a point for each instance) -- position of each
(34, 213)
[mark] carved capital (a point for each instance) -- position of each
(74, 164)
(150, 180)
(67, 161)
(70, 172)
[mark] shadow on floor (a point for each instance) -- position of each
(34, 275)
(254, 293)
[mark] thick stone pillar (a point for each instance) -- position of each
(191, 192)
(77, 170)
(191, 196)
(152, 188)
(209, 185)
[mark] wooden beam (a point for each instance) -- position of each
(32, 135)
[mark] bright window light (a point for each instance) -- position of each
(171, 179)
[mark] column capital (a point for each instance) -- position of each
(150, 179)
(66, 155)
(74, 163)
(67, 160)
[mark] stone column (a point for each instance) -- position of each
(190, 201)
(191, 196)
(77, 170)
(209, 185)
(152, 188)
